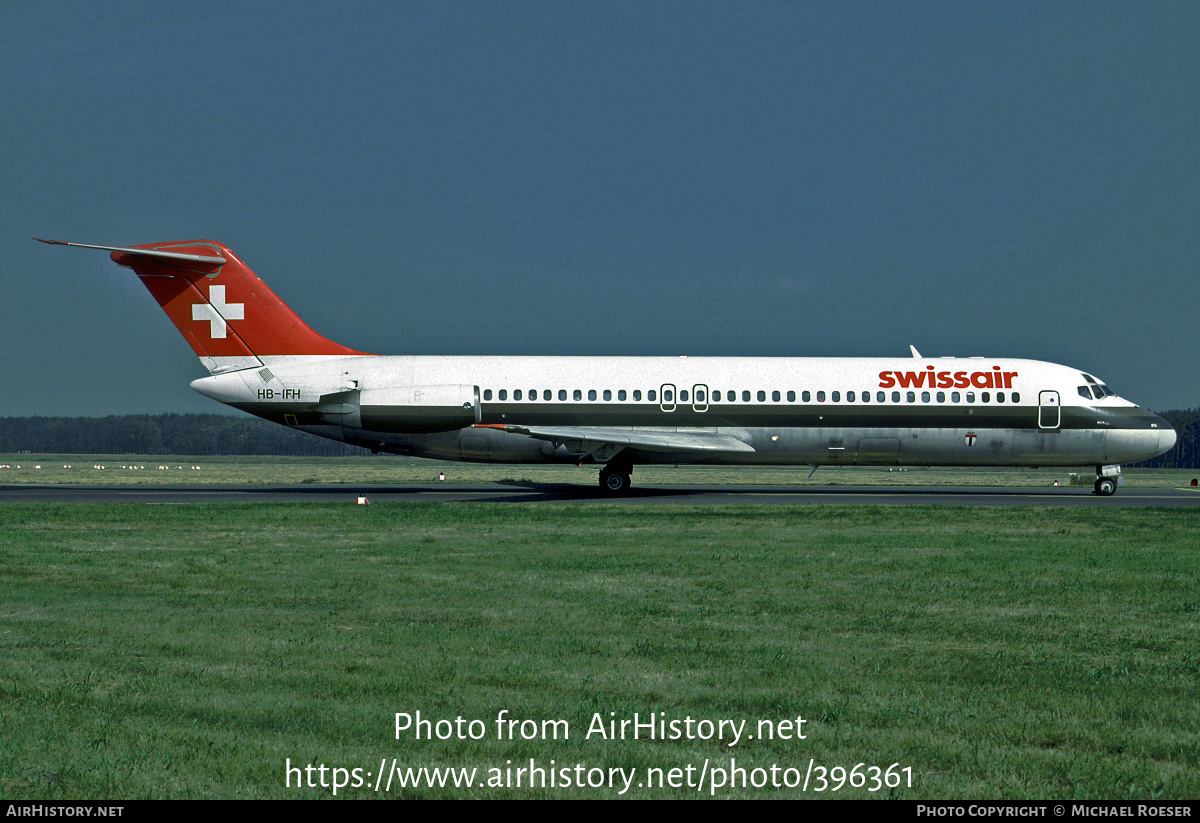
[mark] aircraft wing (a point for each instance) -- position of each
(585, 440)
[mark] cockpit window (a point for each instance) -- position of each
(1099, 390)
(1085, 392)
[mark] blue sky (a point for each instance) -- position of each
(1001, 179)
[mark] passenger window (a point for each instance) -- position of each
(924, 397)
(547, 395)
(866, 396)
(621, 395)
(650, 395)
(637, 394)
(970, 397)
(683, 396)
(745, 397)
(999, 397)
(987, 397)
(912, 397)
(577, 394)
(503, 394)
(774, 397)
(895, 397)
(882, 396)
(517, 394)
(836, 397)
(955, 397)
(941, 397)
(1016, 398)
(849, 397)
(699, 397)
(806, 397)
(762, 396)
(562, 394)
(487, 394)
(591, 394)
(791, 397)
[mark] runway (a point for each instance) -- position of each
(562, 493)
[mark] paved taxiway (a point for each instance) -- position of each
(508, 493)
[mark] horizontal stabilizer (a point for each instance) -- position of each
(164, 255)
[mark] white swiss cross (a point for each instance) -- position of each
(216, 311)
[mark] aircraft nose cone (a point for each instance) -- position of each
(1166, 437)
(1164, 433)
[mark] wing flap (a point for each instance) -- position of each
(669, 441)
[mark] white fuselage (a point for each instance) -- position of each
(818, 411)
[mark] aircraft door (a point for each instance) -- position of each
(666, 397)
(700, 397)
(1049, 410)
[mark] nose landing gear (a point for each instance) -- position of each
(1107, 480)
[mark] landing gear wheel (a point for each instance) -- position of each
(614, 483)
(1105, 486)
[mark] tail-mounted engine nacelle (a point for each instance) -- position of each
(403, 409)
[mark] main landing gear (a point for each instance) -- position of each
(614, 477)
(614, 483)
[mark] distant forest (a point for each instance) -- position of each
(1186, 454)
(196, 434)
(218, 434)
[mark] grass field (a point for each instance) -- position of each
(191, 651)
(366, 470)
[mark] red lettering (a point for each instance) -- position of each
(930, 379)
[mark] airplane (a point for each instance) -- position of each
(619, 412)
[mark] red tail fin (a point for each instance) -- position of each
(228, 316)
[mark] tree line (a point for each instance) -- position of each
(1186, 454)
(195, 434)
(218, 434)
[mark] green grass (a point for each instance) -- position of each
(58, 469)
(188, 651)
